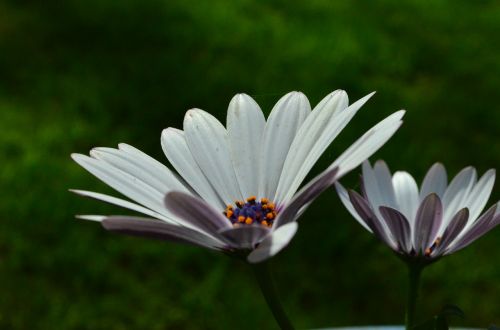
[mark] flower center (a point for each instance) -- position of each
(252, 211)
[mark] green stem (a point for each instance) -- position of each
(414, 272)
(266, 284)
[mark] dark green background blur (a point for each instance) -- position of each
(79, 74)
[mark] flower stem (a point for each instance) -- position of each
(266, 284)
(414, 272)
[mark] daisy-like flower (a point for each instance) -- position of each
(424, 224)
(235, 189)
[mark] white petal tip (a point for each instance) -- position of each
(96, 218)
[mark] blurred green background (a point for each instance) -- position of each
(79, 74)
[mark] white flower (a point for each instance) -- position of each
(236, 188)
(437, 220)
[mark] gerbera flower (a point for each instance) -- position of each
(422, 225)
(436, 220)
(235, 189)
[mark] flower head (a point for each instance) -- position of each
(424, 224)
(236, 187)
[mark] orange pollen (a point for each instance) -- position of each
(251, 199)
(264, 200)
(241, 218)
(270, 215)
(229, 213)
(249, 221)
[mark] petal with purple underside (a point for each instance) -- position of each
(344, 198)
(457, 224)
(273, 243)
(196, 212)
(307, 194)
(427, 222)
(480, 227)
(245, 237)
(378, 228)
(156, 229)
(399, 227)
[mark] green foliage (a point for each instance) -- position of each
(79, 74)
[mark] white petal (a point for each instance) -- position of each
(368, 144)
(124, 183)
(480, 194)
(91, 217)
(245, 124)
(435, 181)
(178, 154)
(207, 139)
(344, 197)
(141, 166)
(274, 243)
(320, 128)
(406, 191)
(384, 181)
(282, 125)
(122, 203)
(456, 195)
(371, 189)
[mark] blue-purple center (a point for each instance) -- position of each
(251, 211)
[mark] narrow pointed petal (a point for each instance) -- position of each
(344, 198)
(245, 125)
(208, 142)
(320, 128)
(406, 191)
(141, 166)
(455, 196)
(273, 243)
(368, 144)
(399, 227)
(379, 229)
(245, 237)
(196, 213)
(371, 188)
(282, 125)
(175, 147)
(122, 203)
(435, 181)
(457, 224)
(306, 195)
(384, 182)
(480, 194)
(150, 228)
(480, 227)
(124, 183)
(427, 222)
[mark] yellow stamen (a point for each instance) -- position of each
(241, 218)
(239, 204)
(251, 199)
(264, 200)
(248, 221)
(270, 206)
(265, 223)
(270, 215)
(229, 213)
